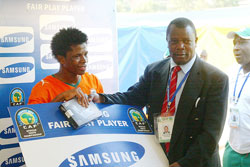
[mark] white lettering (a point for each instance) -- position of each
(54, 7)
(15, 70)
(15, 39)
(105, 113)
(82, 160)
(99, 67)
(49, 56)
(106, 158)
(60, 124)
(29, 126)
(14, 160)
(56, 125)
(115, 157)
(125, 156)
(134, 156)
(72, 161)
(112, 123)
(90, 124)
(50, 124)
(94, 159)
(9, 130)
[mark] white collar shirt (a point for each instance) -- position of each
(239, 138)
(184, 69)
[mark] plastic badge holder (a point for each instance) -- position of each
(78, 115)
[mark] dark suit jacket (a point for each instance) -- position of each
(197, 128)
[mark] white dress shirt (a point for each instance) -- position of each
(184, 69)
(239, 138)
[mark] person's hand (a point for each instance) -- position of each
(175, 164)
(96, 98)
(166, 114)
(93, 96)
(82, 98)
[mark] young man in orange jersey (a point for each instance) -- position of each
(69, 46)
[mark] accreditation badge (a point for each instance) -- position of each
(234, 119)
(163, 127)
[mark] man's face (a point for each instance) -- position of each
(165, 129)
(181, 44)
(241, 50)
(76, 60)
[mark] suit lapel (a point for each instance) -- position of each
(162, 84)
(188, 97)
(158, 86)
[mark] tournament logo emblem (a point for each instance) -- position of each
(136, 115)
(139, 121)
(29, 124)
(17, 97)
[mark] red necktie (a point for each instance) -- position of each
(172, 89)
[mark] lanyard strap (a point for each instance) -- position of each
(234, 98)
(176, 91)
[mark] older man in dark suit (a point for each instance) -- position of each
(198, 102)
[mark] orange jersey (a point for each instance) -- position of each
(49, 87)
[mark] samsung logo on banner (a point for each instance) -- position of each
(99, 39)
(15, 39)
(51, 24)
(49, 59)
(8, 133)
(53, 27)
(15, 160)
(15, 70)
(111, 154)
(99, 66)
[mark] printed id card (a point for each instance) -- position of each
(163, 128)
(234, 119)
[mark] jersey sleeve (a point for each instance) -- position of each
(99, 86)
(39, 94)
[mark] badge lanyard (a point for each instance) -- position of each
(176, 91)
(234, 98)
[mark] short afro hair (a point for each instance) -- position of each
(63, 40)
(181, 22)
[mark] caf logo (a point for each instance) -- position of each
(139, 120)
(136, 115)
(29, 123)
(26, 116)
(17, 97)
